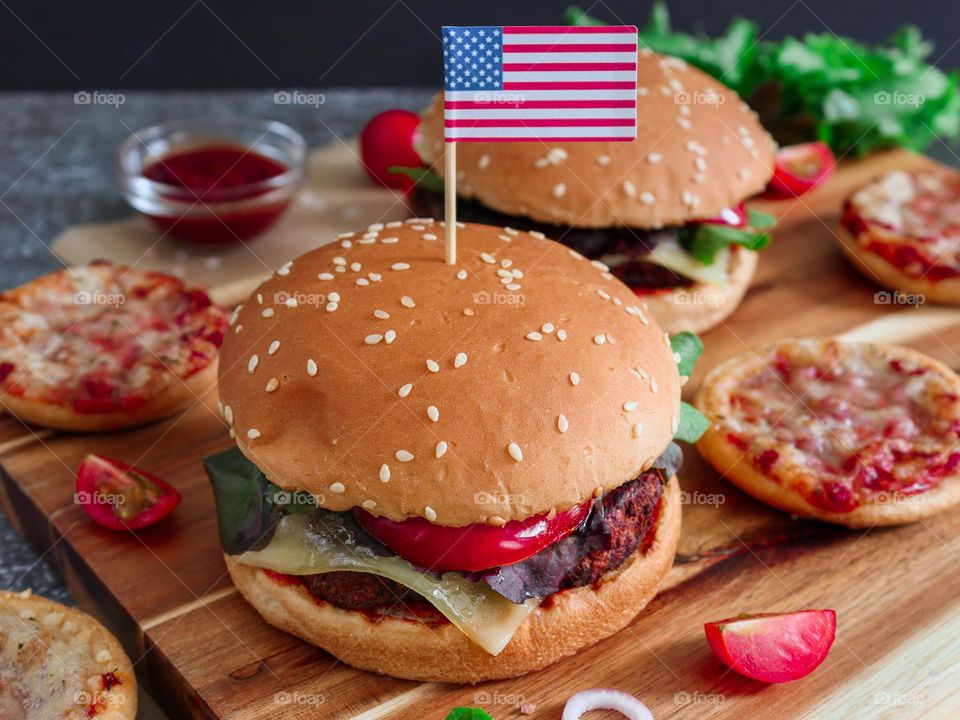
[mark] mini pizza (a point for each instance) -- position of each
(902, 230)
(103, 347)
(57, 662)
(858, 434)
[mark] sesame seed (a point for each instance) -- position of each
(535, 336)
(468, 312)
(433, 413)
(488, 258)
(274, 346)
(460, 360)
(561, 335)
(483, 162)
(574, 379)
(400, 266)
(603, 159)
(404, 456)
(515, 452)
(339, 261)
(331, 306)
(429, 236)
(384, 473)
(433, 365)
(599, 339)
(461, 274)
(228, 414)
(290, 302)
(407, 302)
(441, 448)
(647, 198)
(674, 424)
(654, 158)
(599, 265)
(653, 386)
(637, 430)
(559, 190)
(253, 434)
(513, 286)
(504, 273)
(362, 282)
(537, 234)
(381, 314)
(373, 339)
(603, 293)
(375, 277)
(337, 488)
(743, 173)
(629, 188)
(356, 266)
(505, 238)
(390, 241)
(389, 336)
(311, 367)
(345, 235)
(547, 328)
(285, 268)
(405, 390)
(510, 231)
(429, 513)
(272, 384)
(562, 424)
(368, 504)
(334, 297)
(346, 244)
(252, 365)
(630, 406)
(267, 312)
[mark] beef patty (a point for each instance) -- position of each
(593, 243)
(623, 522)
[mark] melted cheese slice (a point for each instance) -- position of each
(671, 255)
(486, 617)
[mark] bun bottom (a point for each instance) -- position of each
(178, 396)
(882, 273)
(573, 619)
(700, 307)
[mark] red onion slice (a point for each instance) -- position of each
(605, 699)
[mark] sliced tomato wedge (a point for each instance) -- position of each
(119, 496)
(800, 168)
(733, 216)
(474, 547)
(774, 648)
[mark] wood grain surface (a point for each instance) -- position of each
(206, 654)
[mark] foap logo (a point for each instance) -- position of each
(700, 498)
(82, 497)
(699, 297)
(489, 498)
(297, 97)
(699, 97)
(698, 698)
(97, 297)
(500, 98)
(885, 297)
(485, 297)
(914, 100)
(285, 498)
(497, 697)
(95, 97)
(295, 299)
(299, 698)
(95, 698)
(894, 698)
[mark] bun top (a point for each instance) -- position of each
(521, 380)
(699, 149)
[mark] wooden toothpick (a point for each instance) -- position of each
(450, 200)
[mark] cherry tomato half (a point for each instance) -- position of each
(387, 139)
(800, 168)
(733, 216)
(119, 496)
(473, 547)
(774, 648)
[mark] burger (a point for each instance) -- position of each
(448, 472)
(665, 212)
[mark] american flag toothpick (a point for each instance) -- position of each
(535, 83)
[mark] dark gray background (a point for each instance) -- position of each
(47, 44)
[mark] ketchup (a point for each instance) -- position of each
(221, 182)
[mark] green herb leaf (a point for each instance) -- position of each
(248, 505)
(468, 713)
(689, 347)
(760, 220)
(704, 240)
(693, 424)
(422, 176)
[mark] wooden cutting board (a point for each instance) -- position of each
(206, 654)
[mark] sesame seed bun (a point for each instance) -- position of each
(699, 149)
(53, 663)
(411, 387)
(569, 621)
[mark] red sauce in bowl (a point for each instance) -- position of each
(213, 191)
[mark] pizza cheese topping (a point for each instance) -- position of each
(846, 424)
(912, 220)
(103, 337)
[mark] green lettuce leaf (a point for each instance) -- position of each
(704, 240)
(689, 347)
(422, 176)
(693, 424)
(468, 713)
